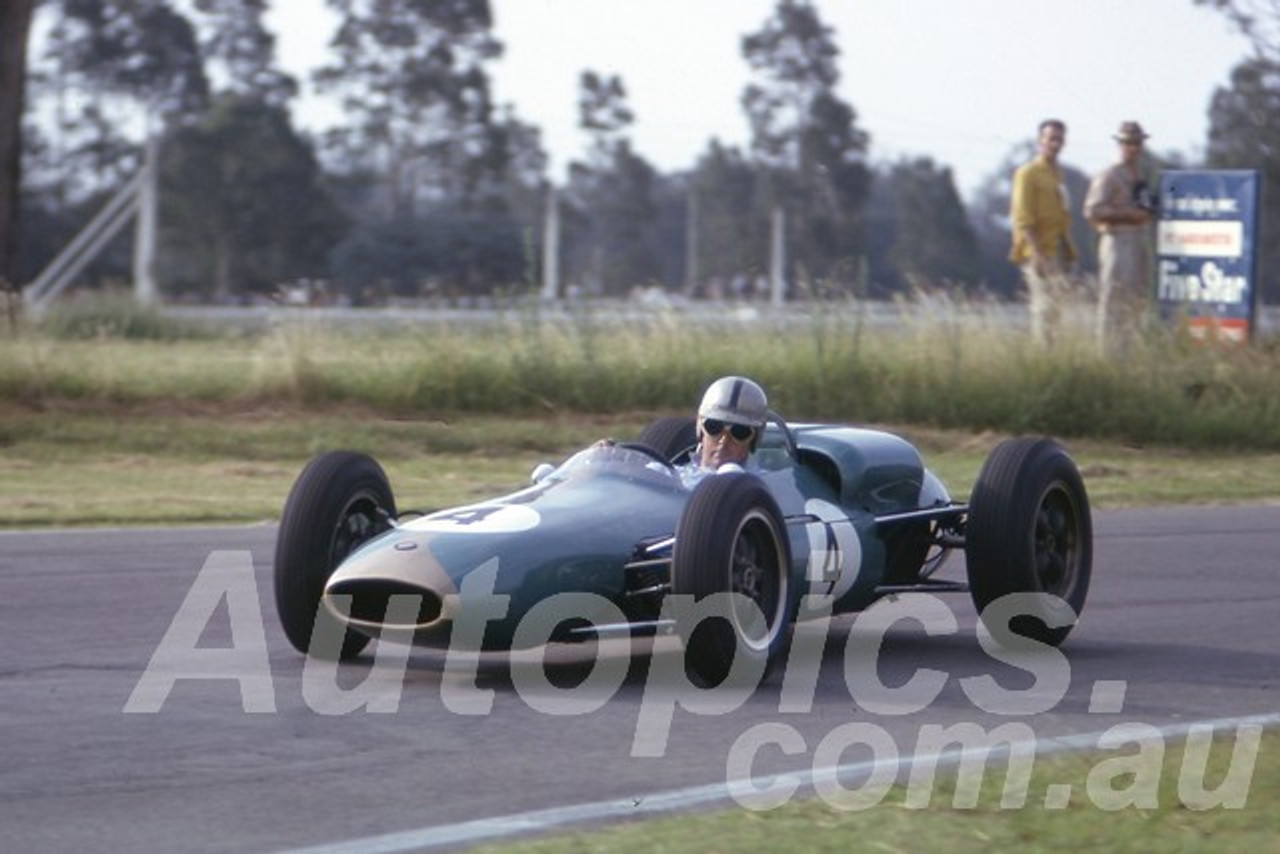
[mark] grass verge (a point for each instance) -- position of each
(1141, 809)
(161, 465)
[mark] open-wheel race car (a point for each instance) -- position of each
(828, 514)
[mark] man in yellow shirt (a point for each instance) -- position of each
(1040, 218)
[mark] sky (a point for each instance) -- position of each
(960, 81)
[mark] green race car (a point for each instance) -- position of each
(617, 540)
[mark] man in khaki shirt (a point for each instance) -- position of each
(1119, 205)
(1041, 223)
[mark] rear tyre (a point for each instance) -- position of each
(732, 538)
(674, 437)
(1030, 531)
(340, 501)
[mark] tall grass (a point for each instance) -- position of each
(944, 365)
(115, 314)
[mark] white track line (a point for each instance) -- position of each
(539, 821)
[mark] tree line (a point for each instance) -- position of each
(430, 188)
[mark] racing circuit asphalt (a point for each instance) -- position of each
(1182, 615)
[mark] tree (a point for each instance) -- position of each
(933, 240)
(613, 240)
(411, 75)
(807, 139)
(733, 228)
(448, 252)
(438, 180)
(15, 25)
(246, 50)
(245, 206)
(102, 62)
(142, 50)
(522, 186)
(1243, 135)
(452, 247)
(135, 49)
(1259, 20)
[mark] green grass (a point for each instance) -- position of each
(71, 467)
(158, 465)
(894, 826)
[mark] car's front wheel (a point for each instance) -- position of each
(340, 500)
(732, 539)
(1030, 531)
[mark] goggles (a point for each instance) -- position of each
(739, 432)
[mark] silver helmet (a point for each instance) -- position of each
(734, 400)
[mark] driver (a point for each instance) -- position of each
(731, 418)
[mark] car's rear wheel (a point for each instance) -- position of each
(1030, 531)
(673, 437)
(732, 539)
(340, 500)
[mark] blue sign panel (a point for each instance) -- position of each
(1205, 251)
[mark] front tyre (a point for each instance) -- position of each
(732, 539)
(340, 501)
(1030, 531)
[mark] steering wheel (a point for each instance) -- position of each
(647, 451)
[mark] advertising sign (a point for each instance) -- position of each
(1206, 269)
